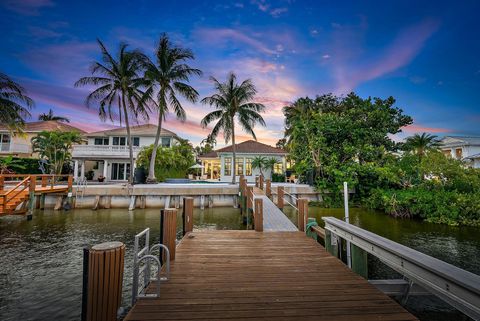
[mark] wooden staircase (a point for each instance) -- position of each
(10, 199)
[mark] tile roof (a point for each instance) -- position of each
(49, 125)
(464, 140)
(144, 130)
(247, 147)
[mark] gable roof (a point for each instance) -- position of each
(141, 130)
(246, 147)
(460, 140)
(49, 125)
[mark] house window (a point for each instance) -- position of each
(447, 152)
(119, 141)
(5, 142)
(165, 141)
(458, 153)
(227, 166)
(239, 166)
(248, 167)
(278, 168)
(101, 141)
(136, 141)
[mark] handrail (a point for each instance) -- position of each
(458, 287)
(319, 231)
(285, 192)
(16, 186)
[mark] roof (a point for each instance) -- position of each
(460, 140)
(140, 130)
(247, 147)
(49, 125)
(474, 156)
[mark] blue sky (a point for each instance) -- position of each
(425, 54)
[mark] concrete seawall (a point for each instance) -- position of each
(168, 195)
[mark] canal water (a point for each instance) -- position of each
(41, 260)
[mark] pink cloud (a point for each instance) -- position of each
(350, 69)
(423, 129)
(27, 7)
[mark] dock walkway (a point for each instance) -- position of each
(274, 220)
(240, 275)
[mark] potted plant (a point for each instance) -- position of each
(101, 178)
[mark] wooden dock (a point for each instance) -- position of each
(240, 275)
(273, 218)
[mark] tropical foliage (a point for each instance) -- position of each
(55, 148)
(50, 116)
(120, 88)
(260, 163)
(10, 165)
(15, 105)
(337, 139)
(171, 162)
(168, 78)
(233, 101)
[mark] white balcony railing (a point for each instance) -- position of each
(15, 148)
(103, 150)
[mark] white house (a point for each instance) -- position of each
(217, 165)
(466, 148)
(106, 153)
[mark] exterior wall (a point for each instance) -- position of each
(255, 172)
(20, 145)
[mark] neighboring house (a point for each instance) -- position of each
(107, 154)
(217, 165)
(466, 148)
(20, 145)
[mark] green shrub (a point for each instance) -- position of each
(26, 165)
(280, 178)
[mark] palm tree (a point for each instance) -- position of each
(14, 104)
(120, 83)
(421, 144)
(169, 75)
(50, 116)
(233, 101)
(270, 164)
(259, 162)
(295, 113)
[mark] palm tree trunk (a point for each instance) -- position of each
(234, 149)
(151, 168)
(129, 138)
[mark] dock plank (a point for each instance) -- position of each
(246, 275)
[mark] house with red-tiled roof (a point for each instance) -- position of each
(19, 144)
(218, 164)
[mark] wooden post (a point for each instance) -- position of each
(280, 195)
(103, 281)
(44, 180)
(258, 219)
(31, 196)
(168, 231)
(249, 197)
(302, 205)
(268, 188)
(187, 215)
(256, 180)
(359, 261)
(2, 182)
(260, 182)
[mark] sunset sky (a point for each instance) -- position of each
(425, 54)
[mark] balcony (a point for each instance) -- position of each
(107, 151)
(14, 148)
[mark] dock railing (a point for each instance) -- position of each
(457, 287)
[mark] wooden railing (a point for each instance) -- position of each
(29, 183)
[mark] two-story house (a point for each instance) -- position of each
(20, 144)
(106, 153)
(466, 148)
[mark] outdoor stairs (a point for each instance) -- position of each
(11, 205)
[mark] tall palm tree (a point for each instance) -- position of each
(420, 144)
(169, 76)
(14, 103)
(295, 113)
(120, 87)
(233, 100)
(50, 116)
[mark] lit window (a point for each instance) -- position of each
(278, 168)
(248, 167)
(239, 166)
(458, 153)
(227, 169)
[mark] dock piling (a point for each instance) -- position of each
(268, 188)
(168, 231)
(258, 217)
(187, 215)
(280, 195)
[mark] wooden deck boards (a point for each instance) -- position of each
(246, 275)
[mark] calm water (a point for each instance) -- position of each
(41, 260)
